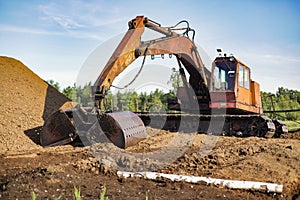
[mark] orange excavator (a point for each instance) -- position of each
(226, 95)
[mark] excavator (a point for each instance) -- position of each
(226, 95)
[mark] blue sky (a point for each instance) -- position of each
(54, 38)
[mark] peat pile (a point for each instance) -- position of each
(25, 102)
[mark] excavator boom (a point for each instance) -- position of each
(131, 47)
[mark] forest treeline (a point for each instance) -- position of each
(283, 99)
(156, 101)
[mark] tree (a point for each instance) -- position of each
(155, 103)
(283, 99)
(54, 84)
(143, 101)
(81, 95)
(70, 92)
(119, 101)
(134, 102)
(86, 96)
(175, 80)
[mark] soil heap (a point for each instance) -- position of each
(25, 102)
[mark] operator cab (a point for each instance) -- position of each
(231, 87)
(224, 73)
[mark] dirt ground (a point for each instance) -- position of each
(54, 172)
(25, 167)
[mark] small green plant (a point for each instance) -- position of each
(102, 194)
(57, 198)
(33, 195)
(77, 193)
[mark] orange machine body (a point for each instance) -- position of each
(232, 87)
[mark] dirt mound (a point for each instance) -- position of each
(251, 159)
(25, 102)
(273, 160)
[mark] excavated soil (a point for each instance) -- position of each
(25, 102)
(25, 167)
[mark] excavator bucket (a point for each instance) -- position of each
(58, 129)
(123, 129)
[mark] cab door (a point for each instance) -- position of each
(244, 99)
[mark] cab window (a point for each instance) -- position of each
(241, 76)
(224, 76)
(244, 77)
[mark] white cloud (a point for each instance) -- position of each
(52, 13)
(92, 14)
(74, 34)
(17, 29)
(279, 59)
(81, 19)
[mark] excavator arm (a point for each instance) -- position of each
(131, 47)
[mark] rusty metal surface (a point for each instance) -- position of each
(123, 56)
(157, 27)
(131, 47)
(123, 129)
(57, 130)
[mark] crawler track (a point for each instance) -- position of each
(230, 125)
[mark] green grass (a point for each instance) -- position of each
(293, 125)
(77, 193)
(57, 198)
(33, 195)
(146, 195)
(102, 194)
